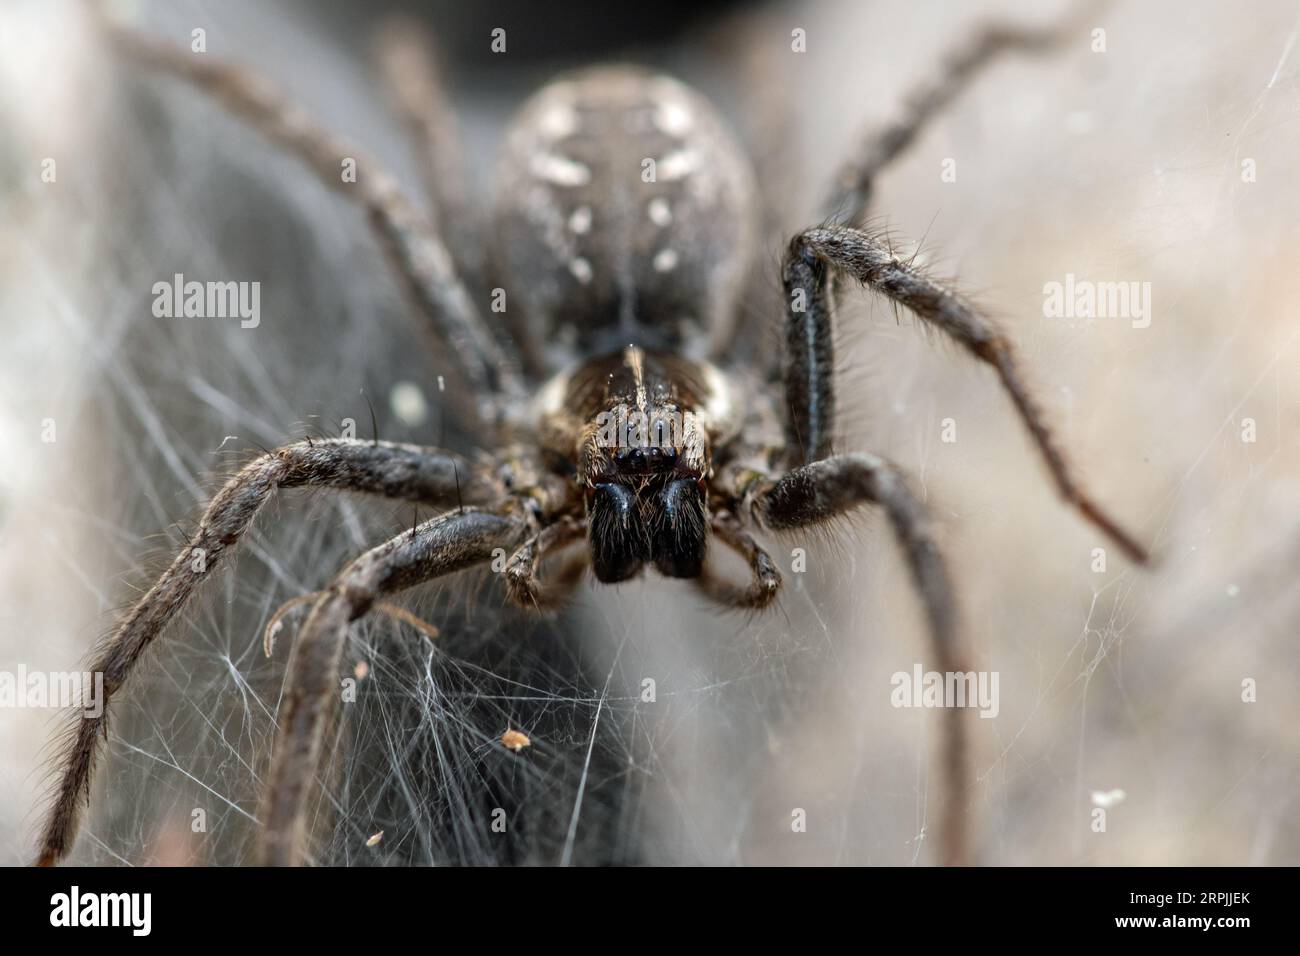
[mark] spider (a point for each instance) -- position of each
(616, 413)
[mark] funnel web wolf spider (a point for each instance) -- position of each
(623, 308)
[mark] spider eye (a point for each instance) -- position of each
(618, 539)
(680, 528)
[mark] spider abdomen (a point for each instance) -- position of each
(625, 215)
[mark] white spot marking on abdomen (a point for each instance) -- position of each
(580, 220)
(581, 270)
(678, 164)
(665, 260)
(660, 212)
(560, 170)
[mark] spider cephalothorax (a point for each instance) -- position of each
(645, 423)
(614, 411)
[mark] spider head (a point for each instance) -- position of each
(645, 469)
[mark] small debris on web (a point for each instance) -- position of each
(515, 740)
(374, 840)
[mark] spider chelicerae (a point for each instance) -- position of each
(616, 411)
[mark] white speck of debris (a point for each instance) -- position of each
(407, 402)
